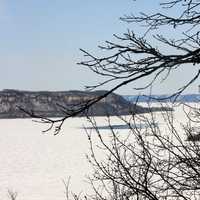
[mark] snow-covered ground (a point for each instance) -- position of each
(35, 164)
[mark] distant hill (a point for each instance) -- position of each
(55, 104)
(154, 98)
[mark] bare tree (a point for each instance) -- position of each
(12, 195)
(134, 56)
(145, 163)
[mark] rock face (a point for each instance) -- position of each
(54, 104)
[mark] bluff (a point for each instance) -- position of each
(54, 104)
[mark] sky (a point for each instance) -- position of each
(40, 42)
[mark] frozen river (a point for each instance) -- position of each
(34, 164)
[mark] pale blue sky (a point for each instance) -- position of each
(40, 41)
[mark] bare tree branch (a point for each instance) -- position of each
(132, 57)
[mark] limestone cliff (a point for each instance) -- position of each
(53, 104)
